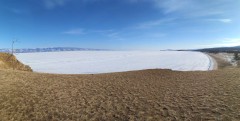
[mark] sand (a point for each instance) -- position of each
(221, 61)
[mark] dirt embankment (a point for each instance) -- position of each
(9, 61)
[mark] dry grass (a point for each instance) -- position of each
(141, 95)
(8, 61)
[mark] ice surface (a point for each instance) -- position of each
(90, 62)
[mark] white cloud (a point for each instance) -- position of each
(184, 10)
(114, 36)
(220, 20)
(170, 6)
(226, 42)
(231, 41)
(157, 35)
(225, 20)
(194, 8)
(50, 4)
(109, 33)
(75, 32)
(102, 31)
(155, 23)
(18, 11)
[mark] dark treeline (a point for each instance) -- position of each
(234, 50)
(221, 49)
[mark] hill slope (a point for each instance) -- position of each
(221, 49)
(140, 95)
(8, 61)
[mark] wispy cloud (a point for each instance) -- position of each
(109, 33)
(75, 32)
(50, 4)
(157, 35)
(231, 41)
(155, 23)
(192, 8)
(220, 20)
(102, 31)
(225, 20)
(113, 35)
(170, 6)
(18, 11)
(226, 42)
(189, 10)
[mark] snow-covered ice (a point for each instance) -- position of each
(89, 62)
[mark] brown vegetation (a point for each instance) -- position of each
(141, 95)
(8, 61)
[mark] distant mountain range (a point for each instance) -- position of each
(53, 49)
(220, 49)
(59, 49)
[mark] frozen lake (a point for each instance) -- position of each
(90, 62)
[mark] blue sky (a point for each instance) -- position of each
(120, 24)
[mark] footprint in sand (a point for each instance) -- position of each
(165, 112)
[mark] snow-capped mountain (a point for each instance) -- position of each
(53, 49)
